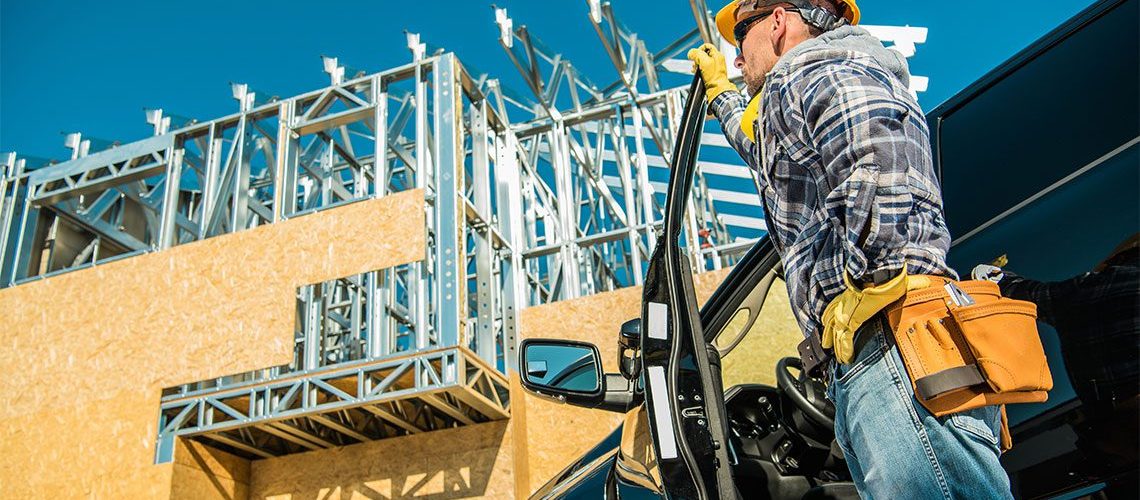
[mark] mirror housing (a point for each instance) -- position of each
(630, 334)
(561, 367)
(629, 346)
(570, 372)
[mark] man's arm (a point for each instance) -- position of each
(728, 108)
(866, 140)
(1037, 292)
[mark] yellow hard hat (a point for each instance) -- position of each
(727, 16)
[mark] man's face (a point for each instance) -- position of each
(757, 55)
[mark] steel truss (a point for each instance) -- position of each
(562, 201)
(591, 208)
(353, 403)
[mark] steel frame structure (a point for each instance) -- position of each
(454, 298)
(593, 147)
(561, 204)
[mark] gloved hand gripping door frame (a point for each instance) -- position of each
(688, 430)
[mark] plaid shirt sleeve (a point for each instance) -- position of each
(865, 142)
(728, 108)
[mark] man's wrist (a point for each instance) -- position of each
(717, 102)
(725, 94)
(881, 273)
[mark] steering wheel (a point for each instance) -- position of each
(805, 393)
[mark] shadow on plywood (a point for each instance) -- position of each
(470, 461)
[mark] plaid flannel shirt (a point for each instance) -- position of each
(845, 172)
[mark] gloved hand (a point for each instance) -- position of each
(710, 63)
(987, 272)
(850, 309)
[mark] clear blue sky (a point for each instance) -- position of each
(93, 66)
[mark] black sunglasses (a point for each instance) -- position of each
(741, 29)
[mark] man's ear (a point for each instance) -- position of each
(779, 29)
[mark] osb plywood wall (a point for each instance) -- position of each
(201, 473)
(86, 354)
(559, 434)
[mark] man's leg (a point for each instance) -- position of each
(895, 448)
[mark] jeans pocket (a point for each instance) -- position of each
(983, 423)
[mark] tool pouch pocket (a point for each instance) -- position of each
(1002, 336)
(932, 346)
(962, 357)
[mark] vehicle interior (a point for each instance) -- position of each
(781, 438)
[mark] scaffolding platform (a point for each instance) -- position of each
(340, 405)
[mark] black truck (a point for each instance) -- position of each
(1040, 165)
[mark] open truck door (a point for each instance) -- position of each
(683, 393)
(675, 440)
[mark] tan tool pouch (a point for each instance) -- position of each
(963, 357)
(1003, 338)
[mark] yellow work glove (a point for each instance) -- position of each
(848, 311)
(710, 63)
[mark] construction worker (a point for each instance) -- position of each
(853, 206)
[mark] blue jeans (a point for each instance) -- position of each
(894, 447)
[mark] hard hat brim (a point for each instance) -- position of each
(726, 20)
(852, 13)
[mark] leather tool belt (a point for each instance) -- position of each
(966, 346)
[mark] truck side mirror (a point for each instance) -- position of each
(570, 372)
(561, 368)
